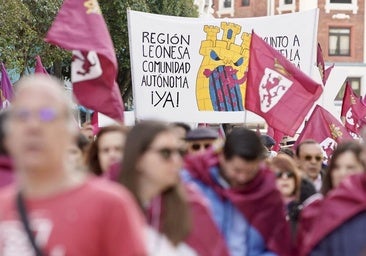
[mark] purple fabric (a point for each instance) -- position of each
(320, 219)
(6, 171)
(39, 68)
(6, 86)
(113, 172)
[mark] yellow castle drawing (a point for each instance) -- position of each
(221, 79)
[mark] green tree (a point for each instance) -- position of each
(115, 14)
(24, 24)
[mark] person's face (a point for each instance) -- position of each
(310, 160)
(39, 130)
(346, 164)
(238, 171)
(110, 149)
(199, 146)
(180, 132)
(75, 157)
(87, 131)
(161, 163)
(285, 182)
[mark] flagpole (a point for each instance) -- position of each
(245, 118)
(87, 116)
(78, 116)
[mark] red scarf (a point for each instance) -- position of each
(204, 237)
(321, 218)
(259, 201)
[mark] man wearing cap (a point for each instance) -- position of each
(269, 142)
(200, 139)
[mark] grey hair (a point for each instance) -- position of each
(51, 83)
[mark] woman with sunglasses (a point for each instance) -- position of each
(345, 161)
(150, 170)
(288, 180)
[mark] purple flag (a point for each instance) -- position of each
(39, 68)
(6, 89)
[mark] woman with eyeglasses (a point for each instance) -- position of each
(346, 160)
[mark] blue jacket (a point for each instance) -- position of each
(347, 240)
(242, 238)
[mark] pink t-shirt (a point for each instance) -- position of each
(96, 218)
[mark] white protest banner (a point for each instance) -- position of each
(194, 69)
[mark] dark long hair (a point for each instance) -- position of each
(175, 219)
(348, 146)
(92, 158)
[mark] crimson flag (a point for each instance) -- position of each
(39, 68)
(277, 136)
(327, 73)
(7, 92)
(324, 128)
(277, 90)
(324, 72)
(80, 26)
(353, 110)
(320, 61)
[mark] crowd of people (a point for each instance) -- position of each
(168, 189)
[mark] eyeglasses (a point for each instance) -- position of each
(198, 146)
(167, 153)
(287, 175)
(44, 115)
(309, 158)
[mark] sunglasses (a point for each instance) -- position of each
(167, 153)
(198, 146)
(309, 158)
(44, 115)
(287, 175)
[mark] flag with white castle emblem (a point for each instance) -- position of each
(276, 89)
